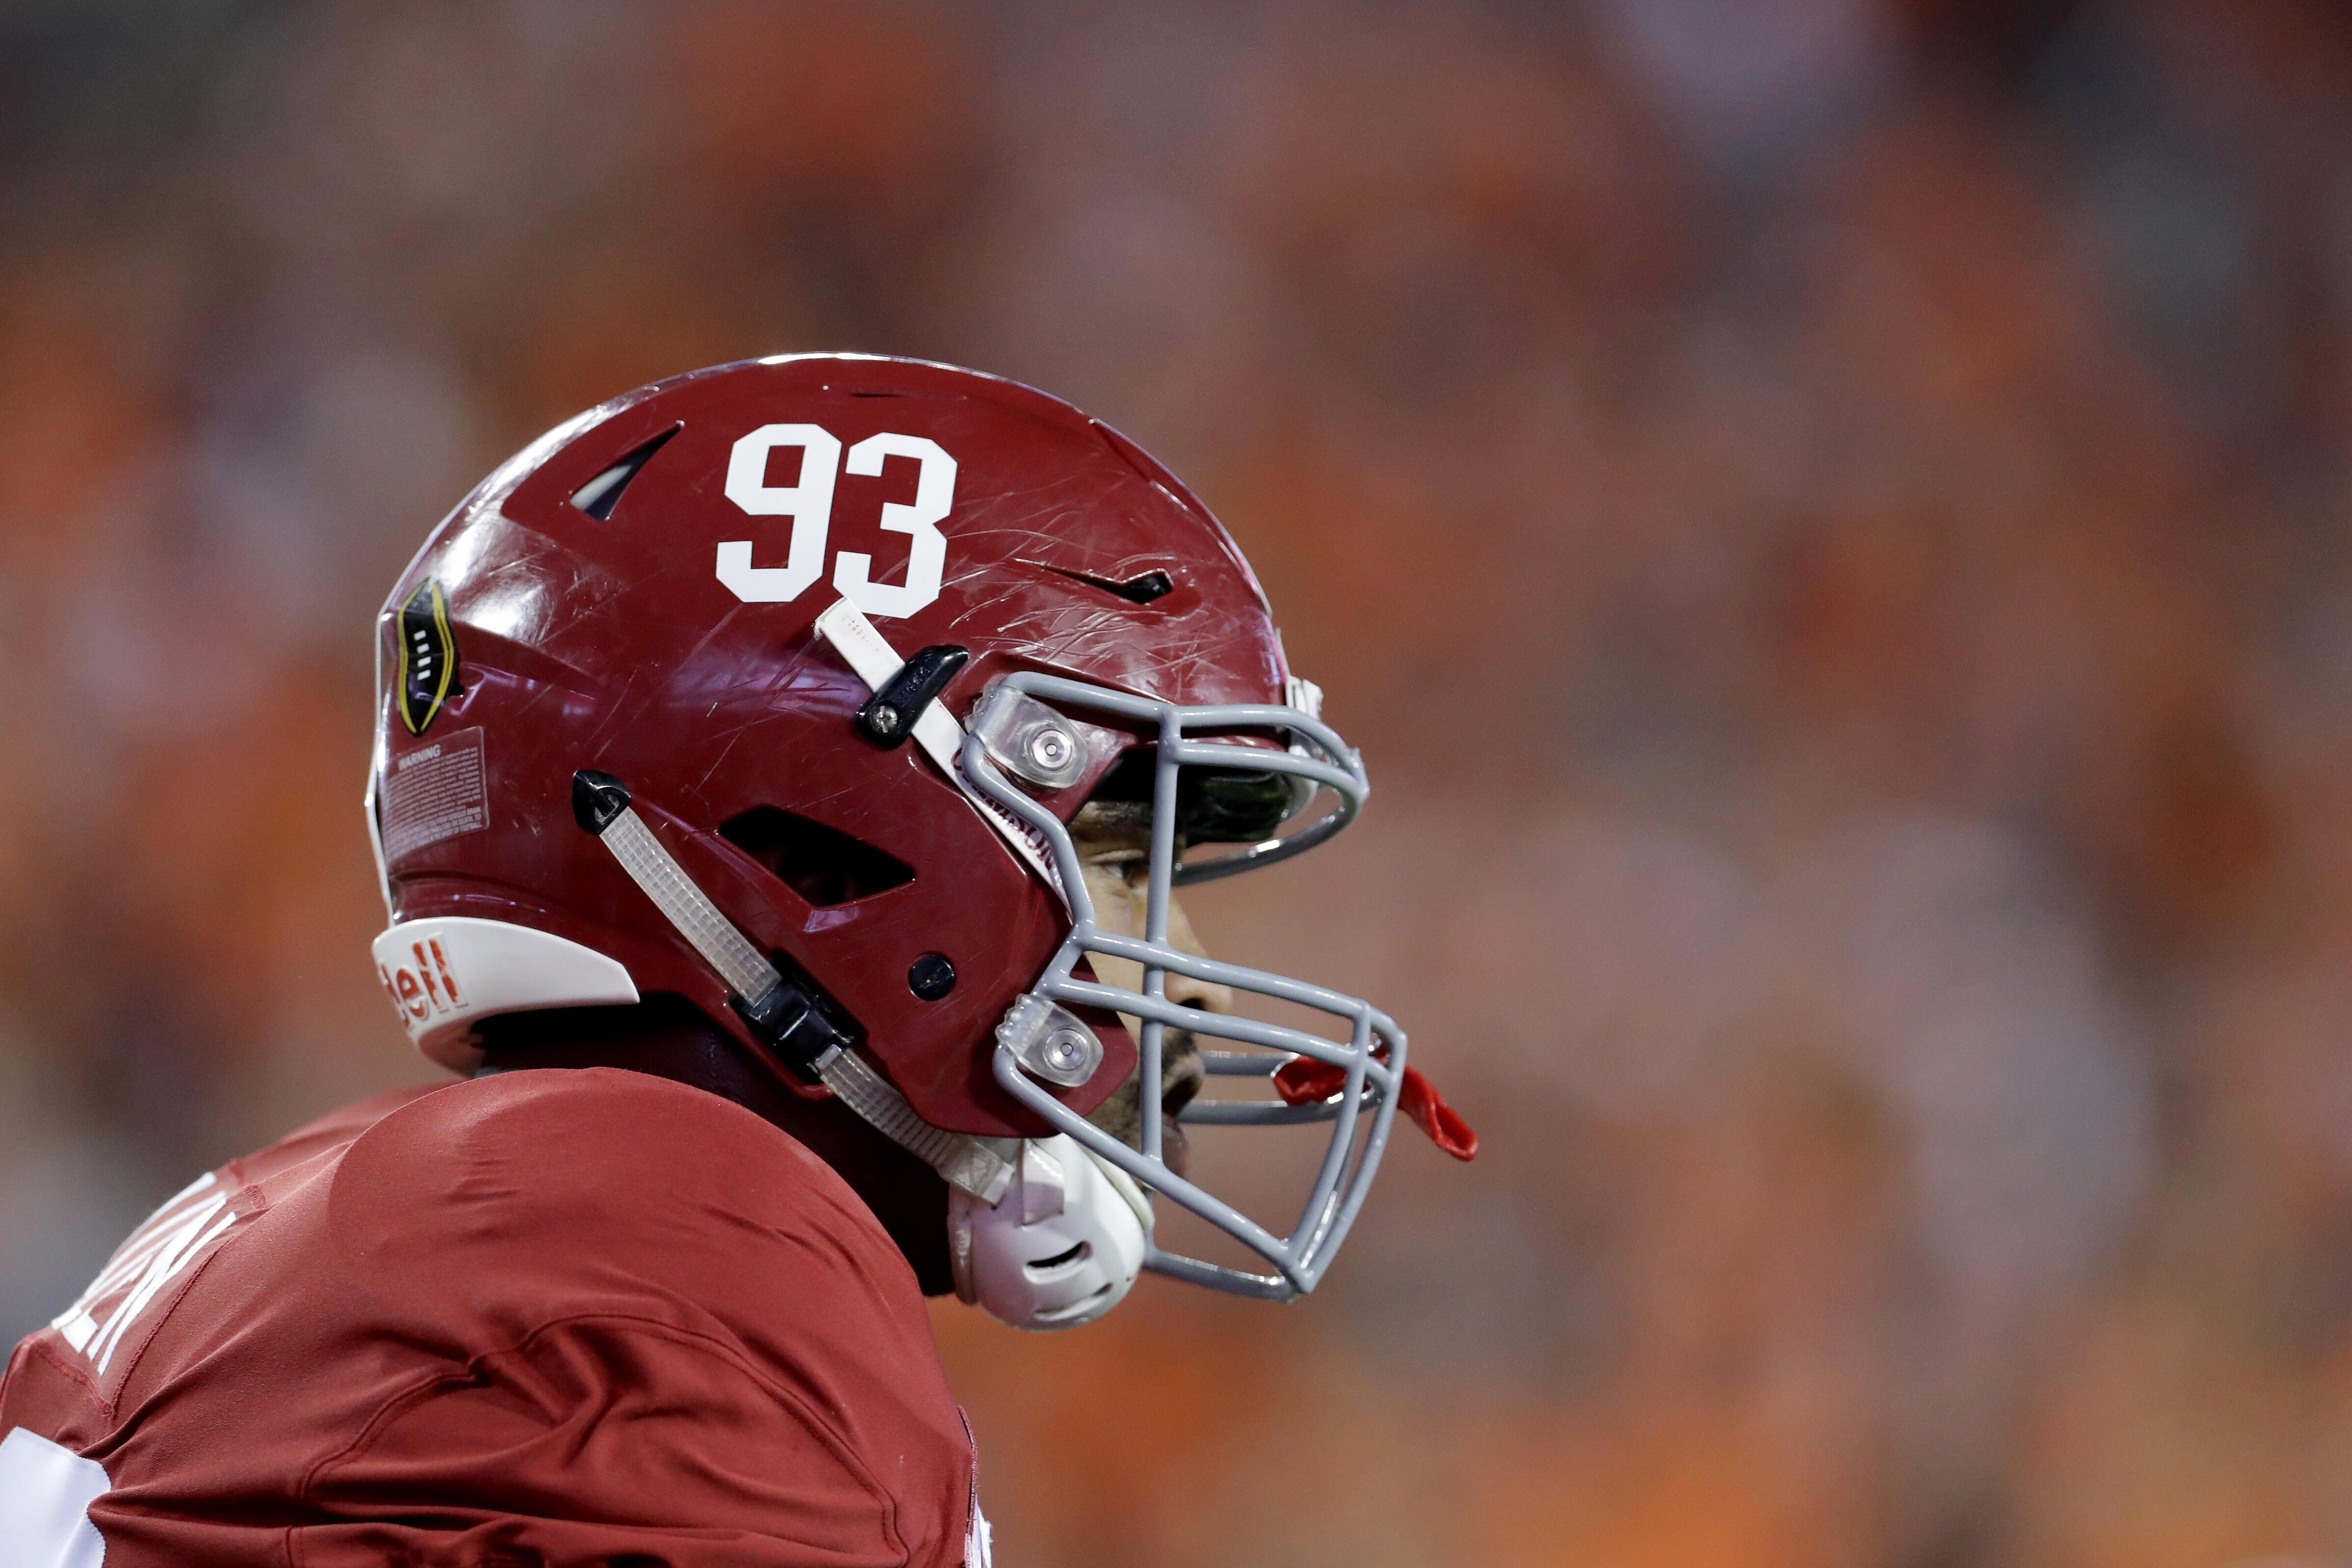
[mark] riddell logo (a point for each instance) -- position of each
(424, 989)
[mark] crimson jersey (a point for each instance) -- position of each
(545, 1317)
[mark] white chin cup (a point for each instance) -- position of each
(1061, 1247)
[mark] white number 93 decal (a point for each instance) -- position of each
(809, 502)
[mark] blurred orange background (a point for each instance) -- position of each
(1828, 517)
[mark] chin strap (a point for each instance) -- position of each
(784, 1014)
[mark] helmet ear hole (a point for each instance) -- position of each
(931, 977)
(824, 866)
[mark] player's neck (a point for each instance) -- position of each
(667, 1038)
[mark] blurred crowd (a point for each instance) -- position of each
(1828, 517)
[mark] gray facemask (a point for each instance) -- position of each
(1042, 1042)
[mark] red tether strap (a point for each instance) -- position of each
(1302, 1081)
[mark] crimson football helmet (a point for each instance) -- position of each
(648, 723)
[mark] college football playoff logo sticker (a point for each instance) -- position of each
(428, 657)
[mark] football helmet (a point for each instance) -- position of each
(652, 718)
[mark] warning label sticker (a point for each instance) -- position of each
(435, 792)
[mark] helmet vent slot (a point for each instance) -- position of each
(1140, 589)
(1061, 1260)
(600, 495)
(824, 865)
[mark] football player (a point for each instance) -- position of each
(804, 935)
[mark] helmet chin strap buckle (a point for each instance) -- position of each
(783, 1015)
(791, 1023)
